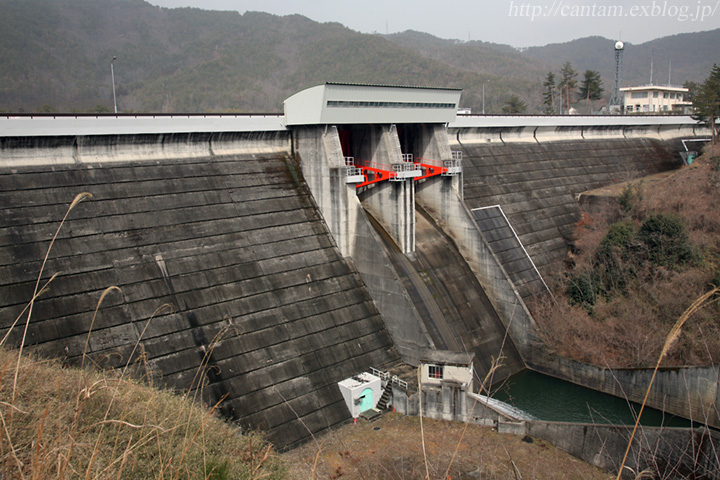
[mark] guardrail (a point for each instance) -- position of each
(386, 376)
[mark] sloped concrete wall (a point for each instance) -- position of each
(537, 183)
(440, 199)
(234, 245)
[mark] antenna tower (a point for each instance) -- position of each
(616, 98)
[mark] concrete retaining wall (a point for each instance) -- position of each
(67, 150)
(690, 392)
(666, 452)
(573, 129)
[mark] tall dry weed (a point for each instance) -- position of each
(671, 338)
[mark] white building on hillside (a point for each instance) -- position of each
(655, 99)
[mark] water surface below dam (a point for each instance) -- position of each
(551, 399)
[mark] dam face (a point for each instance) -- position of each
(263, 308)
(243, 250)
(537, 184)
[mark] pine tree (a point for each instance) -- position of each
(549, 94)
(707, 102)
(591, 87)
(514, 104)
(567, 83)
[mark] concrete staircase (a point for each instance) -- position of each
(385, 398)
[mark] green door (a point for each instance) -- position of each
(366, 400)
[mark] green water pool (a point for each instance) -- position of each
(550, 399)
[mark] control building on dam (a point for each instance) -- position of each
(367, 227)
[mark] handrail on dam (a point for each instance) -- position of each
(416, 168)
(381, 171)
(444, 168)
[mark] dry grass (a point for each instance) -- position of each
(71, 423)
(391, 448)
(629, 330)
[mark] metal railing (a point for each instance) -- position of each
(351, 170)
(452, 167)
(386, 377)
(399, 169)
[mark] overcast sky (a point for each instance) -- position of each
(519, 23)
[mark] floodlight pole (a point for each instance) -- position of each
(483, 99)
(112, 74)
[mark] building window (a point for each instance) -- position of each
(655, 94)
(639, 95)
(359, 104)
(629, 108)
(435, 371)
(666, 94)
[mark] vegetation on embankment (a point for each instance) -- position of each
(636, 266)
(66, 423)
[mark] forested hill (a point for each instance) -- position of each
(55, 55)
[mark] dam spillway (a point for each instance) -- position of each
(248, 227)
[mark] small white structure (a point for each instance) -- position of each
(445, 380)
(345, 103)
(655, 99)
(361, 392)
(440, 367)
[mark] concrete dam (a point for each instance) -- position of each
(263, 259)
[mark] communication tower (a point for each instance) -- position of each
(616, 98)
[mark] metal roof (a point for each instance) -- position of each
(391, 86)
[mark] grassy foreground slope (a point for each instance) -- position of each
(60, 423)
